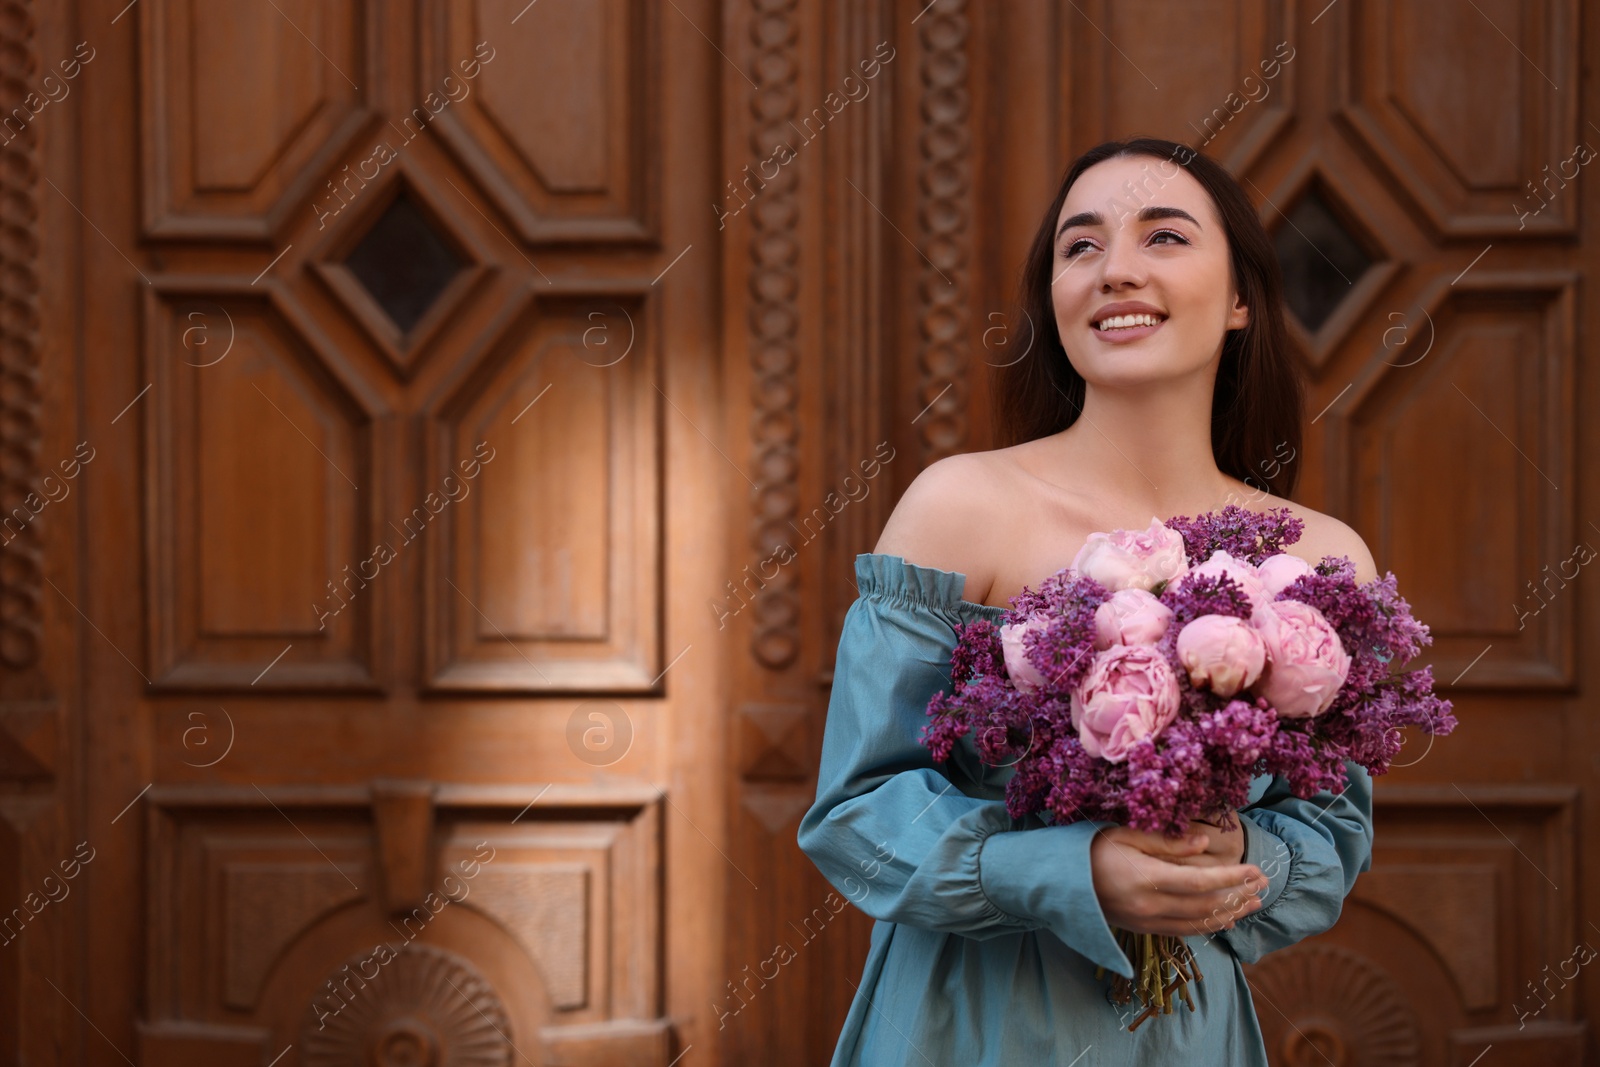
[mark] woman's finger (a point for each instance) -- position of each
(1202, 914)
(1189, 879)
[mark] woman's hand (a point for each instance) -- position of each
(1152, 884)
(1223, 847)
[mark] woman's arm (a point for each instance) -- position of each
(897, 837)
(1311, 852)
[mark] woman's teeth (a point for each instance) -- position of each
(1123, 322)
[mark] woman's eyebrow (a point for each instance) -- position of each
(1149, 214)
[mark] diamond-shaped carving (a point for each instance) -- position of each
(403, 259)
(404, 263)
(1321, 260)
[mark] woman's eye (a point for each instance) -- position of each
(1169, 233)
(1072, 249)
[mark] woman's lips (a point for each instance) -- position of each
(1127, 334)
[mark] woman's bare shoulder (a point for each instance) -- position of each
(1323, 535)
(945, 518)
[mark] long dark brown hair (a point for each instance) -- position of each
(1256, 407)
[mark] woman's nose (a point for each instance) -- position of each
(1120, 265)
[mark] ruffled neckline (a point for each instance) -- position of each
(892, 578)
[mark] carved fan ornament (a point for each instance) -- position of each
(1328, 1005)
(413, 1006)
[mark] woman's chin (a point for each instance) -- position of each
(1134, 366)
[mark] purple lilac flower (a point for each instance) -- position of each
(1241, 533)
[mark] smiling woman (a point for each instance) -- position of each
(1162, 379)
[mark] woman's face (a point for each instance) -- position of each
(1135, 233)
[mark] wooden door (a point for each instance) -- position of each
(356, 713)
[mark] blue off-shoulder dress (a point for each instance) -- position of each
(989, 930)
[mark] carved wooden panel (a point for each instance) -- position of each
(1490, 395)
(584, 171)
(38, 877)
(265, 904)
(1469, 898)
(1230, 97)
(244, 105)
(261, 492)
(269, 924)
(1507, 855)
(1450, 924)
(540, 904)
(547, 573)
(1474, 124)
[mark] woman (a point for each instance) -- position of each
(1160, 383)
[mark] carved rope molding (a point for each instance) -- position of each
(774, 329)
(21, 572)
(944, 215)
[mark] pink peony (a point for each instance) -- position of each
(1278, 571)
(1221, 653)
(1306, 663)
(1237, 569)
(1129, 694)
(1024, 675)
(1133, 559)
(1130, 617)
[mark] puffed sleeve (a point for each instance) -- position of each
(1311, 852)
(904, 841)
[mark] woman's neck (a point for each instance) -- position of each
(1148, 448)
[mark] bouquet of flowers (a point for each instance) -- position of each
(1150, 681)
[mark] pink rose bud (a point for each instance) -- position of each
(1130, 617)
(1276, 572)
(1129, 694)
(1306, 662)
(1221, 653)
(1237, 569)
(1133, 559)
(1024, 675)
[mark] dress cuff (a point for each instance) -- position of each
(1043, 875)
(1269, 852)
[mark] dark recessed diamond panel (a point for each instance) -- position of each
(1321, 260)
(404, 263)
